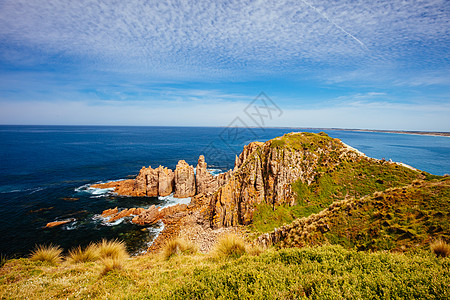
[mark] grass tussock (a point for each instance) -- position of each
(229, 246)
(51, 254)
(112, 249)
(80, 255)
(440, 248)
(177, 247)
(254, 250)
(111, 263)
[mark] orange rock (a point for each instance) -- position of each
(109, 212)
(58, 223)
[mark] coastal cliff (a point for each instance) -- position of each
(304, 172)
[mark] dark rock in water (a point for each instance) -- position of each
(70, 199)
(41, 210)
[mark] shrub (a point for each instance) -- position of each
(178, 246)
(111, 263)
(440, 248)
(112, 249)
(50, 253)
(255, 250)
(229, 246)
(79, 255)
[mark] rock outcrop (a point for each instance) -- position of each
(153, 214)
(163, 182)
(184, 180)
(114, 214)
(264, 173)
(207, 183)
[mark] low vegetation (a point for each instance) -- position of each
(178, 246)
(325, 272)
(80, 255)
(112, 249)
(47, 253)
(397, 219)
(229, 246)
(111, 263)
(440, 248)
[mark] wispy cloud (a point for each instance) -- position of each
(220, 38)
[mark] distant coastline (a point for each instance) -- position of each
(433, 133)
(414, 132)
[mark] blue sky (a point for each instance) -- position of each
(342, 64)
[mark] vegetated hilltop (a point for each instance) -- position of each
(296, 175)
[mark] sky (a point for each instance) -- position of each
(304, 63)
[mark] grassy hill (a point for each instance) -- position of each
(395, 219)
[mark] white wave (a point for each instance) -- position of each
(216, 172)
(171, 200)
(96, 192)
(17, 190)
(71, 226)
(155, 231)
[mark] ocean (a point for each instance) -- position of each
(45, 173)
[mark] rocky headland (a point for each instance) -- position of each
(302, 173)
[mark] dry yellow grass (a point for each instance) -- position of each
(229, 245)
(111, 263)
(179, 246)
(255, 250)
(50, 254)
(112, 249)
(440, 248)
(80, 255)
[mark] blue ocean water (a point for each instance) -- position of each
(45, 172)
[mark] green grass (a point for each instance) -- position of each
(267, 217)
(398, 219)
(327, 272)
(304, 141)
(349, 179)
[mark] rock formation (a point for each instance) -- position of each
(140, 215)
(184, 180)
(153, 214)
(207, 183)
(264, 173)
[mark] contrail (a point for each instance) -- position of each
(339, 27)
